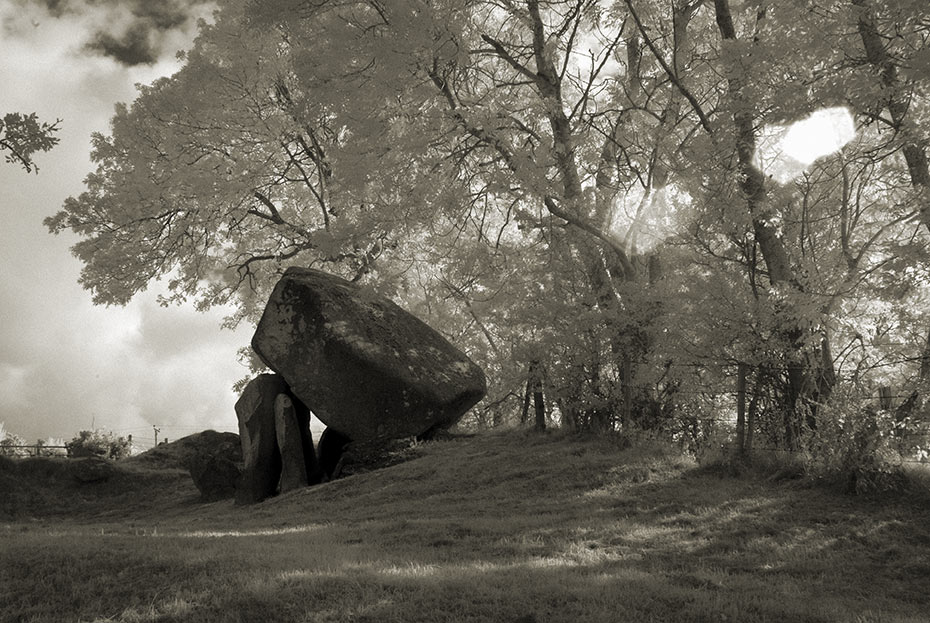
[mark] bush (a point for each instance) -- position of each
(857, 446)
(8, 443)
(49, 447)
(96, 443)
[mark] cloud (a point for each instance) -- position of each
(72, 366)
(66, 365)
(134, 47)
(130, 32)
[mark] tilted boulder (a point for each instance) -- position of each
(362, 364)
(261, 460)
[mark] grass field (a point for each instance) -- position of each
(509, 527)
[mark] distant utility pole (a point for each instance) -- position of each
(157, 430)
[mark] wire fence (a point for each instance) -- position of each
(139, 439)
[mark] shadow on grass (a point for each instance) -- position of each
(557, 531)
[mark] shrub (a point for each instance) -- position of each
(8, 443)
(96, 443)
(857, 446)
(49, 447)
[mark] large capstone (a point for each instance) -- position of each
(363, 365)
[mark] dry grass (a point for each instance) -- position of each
(498, 527)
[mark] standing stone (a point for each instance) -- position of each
(332, 446)
(292, 427)
(362, 364)
(261, 460)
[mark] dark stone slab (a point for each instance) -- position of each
(261, 468)
(363, 365)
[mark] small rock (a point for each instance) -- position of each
(214, 476)
(91, 469)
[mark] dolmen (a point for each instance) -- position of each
(362, 365)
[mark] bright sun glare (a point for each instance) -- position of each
(784, 152)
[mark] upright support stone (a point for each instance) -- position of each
(298, 460)
(255, 410)
(332, 445)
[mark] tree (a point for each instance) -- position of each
(574, 190)
(21, 136)
(11, 444)
(97, 443)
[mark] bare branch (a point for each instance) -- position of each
(672, 74)
(274, 217)
(502, 52)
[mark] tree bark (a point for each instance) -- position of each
(535, 384)
(877, 55)
(540, 407)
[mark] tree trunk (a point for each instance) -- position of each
(534, 384)
(540, 407)
(524, 416)
(800, 382)
(915, 155)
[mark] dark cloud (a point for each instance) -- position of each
(164, 15)
(139, 28)
(133, 47)
(142, 41)
(57, 8)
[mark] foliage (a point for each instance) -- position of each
(585, 196)
(859, 447)
(10, 444)
(21, 136)
(51, 447)
(97, 443)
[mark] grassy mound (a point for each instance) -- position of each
(493, 528)
(177, 454)
(49, 487)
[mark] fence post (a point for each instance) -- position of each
(741, 407)
(885, 398)
(627, 380)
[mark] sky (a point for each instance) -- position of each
(65, 364)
